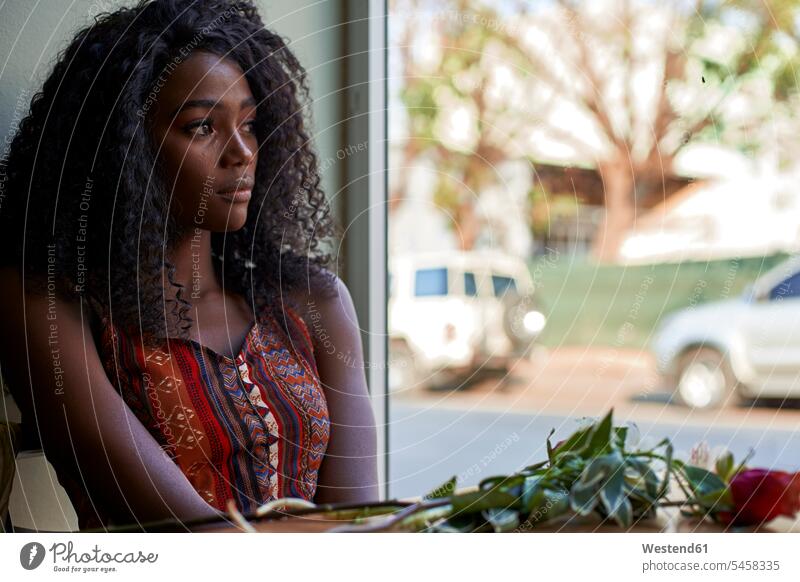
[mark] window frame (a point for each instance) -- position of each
(363, 198)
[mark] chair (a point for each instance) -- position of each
(20, 453)
(10, 441)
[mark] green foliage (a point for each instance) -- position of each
(443, 490)
(724, 466)
(591, 472)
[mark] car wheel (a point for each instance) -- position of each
(403, 373)
(705, 379)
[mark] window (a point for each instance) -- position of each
(788, 289)
(502, 284)
(617, 304)
(430, 282)
(470, 287)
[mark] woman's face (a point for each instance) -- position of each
(204, 125)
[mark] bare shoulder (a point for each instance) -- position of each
(327, 302)
(332, 323)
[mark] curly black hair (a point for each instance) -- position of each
(86, 210)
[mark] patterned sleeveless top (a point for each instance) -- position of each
(253, 428)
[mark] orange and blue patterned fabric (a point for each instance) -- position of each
(253, 428)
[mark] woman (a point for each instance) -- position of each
(164, 279)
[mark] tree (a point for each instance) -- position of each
(706, 62)
(623, 85)
(453, 111)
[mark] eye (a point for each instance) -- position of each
(204, 126)
(250, 125)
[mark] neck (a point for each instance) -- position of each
(194, 267)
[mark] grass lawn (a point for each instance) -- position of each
(601, 305)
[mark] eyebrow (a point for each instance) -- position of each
(209, 103)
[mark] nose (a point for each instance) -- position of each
(239, 150)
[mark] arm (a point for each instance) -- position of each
(81, 418)
(349, 469)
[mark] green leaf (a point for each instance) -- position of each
(546, 504)
(587, 442)
(583, 498)
(620, 435)
(668, 464)
(532, 492)
(574, 443)
(601, 437)
(718, 500)
(647, 474)
(501, 520)
(724, 466)
(535, 468)
(556, 503)
(639, 496)
(603, 466)
(550, 453)
(613, 498)
(490, 482)
(624, 513)
(444, 490)
(584, 493)
(701, 481)
(511, 484)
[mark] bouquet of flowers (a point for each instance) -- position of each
(593, 471)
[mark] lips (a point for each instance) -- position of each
(236, 195)
(239, 191)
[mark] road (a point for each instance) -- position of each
(429, 445)
(498, 426)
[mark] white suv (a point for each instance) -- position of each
(739, 349)
(452, 313)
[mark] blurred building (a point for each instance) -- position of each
(740, 216)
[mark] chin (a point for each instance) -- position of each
(226, 219)
(232, 225)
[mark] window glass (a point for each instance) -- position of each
(501, 284)
(470, 287)
(588, 280)
(430, 282)
(788, 289)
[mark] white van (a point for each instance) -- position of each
(455, 312)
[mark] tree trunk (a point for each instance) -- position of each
(399, 192)
(467, 227)
(618, 189)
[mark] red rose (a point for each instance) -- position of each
(760, 496)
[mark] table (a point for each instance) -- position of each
(667, 520)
